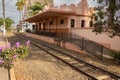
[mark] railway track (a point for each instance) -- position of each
(90, 71)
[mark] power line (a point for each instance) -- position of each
(13, 14)
(9, 9)
(8, 2)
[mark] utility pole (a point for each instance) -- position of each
(4, 30)
(3, 6)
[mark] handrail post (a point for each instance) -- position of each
(102, 52)
(82, 43)
(70, 37)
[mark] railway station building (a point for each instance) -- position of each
(61, 20)
(66, 19)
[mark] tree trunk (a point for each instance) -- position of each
(111, 12)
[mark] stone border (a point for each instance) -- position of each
(12, 74)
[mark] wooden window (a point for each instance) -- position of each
(62, 21)
(91, 24)
(82, 23)
(51, 22)
(72, 23)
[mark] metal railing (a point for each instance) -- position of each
(91, 47)
(51, 34)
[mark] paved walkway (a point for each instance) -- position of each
(3, 72)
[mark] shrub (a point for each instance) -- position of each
(9, 54)
(115, 54)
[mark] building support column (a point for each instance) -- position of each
(36, 28)
(56, 26)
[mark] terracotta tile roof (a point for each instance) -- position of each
(49, 13)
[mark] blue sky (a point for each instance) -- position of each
(12, 12)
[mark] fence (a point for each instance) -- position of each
(88, 45)
(85, 44)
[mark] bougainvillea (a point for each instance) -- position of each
(10, 54)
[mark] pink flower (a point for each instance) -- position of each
(17, 44)
(15, 56)
(9, 46)
(1, 49)
(1, 61)
(28, 42)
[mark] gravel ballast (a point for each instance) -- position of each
(41, 66)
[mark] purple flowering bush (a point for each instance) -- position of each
(10, 54)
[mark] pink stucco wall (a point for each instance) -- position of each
(113, 43)
(67, 45)
(78, 20)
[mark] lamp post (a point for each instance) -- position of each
(3, 6)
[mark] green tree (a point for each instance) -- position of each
(107, 17)
(8, 22)
(34, 9)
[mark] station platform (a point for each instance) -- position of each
(51, 40)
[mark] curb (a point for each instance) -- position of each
(12, 74)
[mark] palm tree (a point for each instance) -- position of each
(23, 11)
(34, 9)
(19, 5)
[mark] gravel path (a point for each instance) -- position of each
(41, 66)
